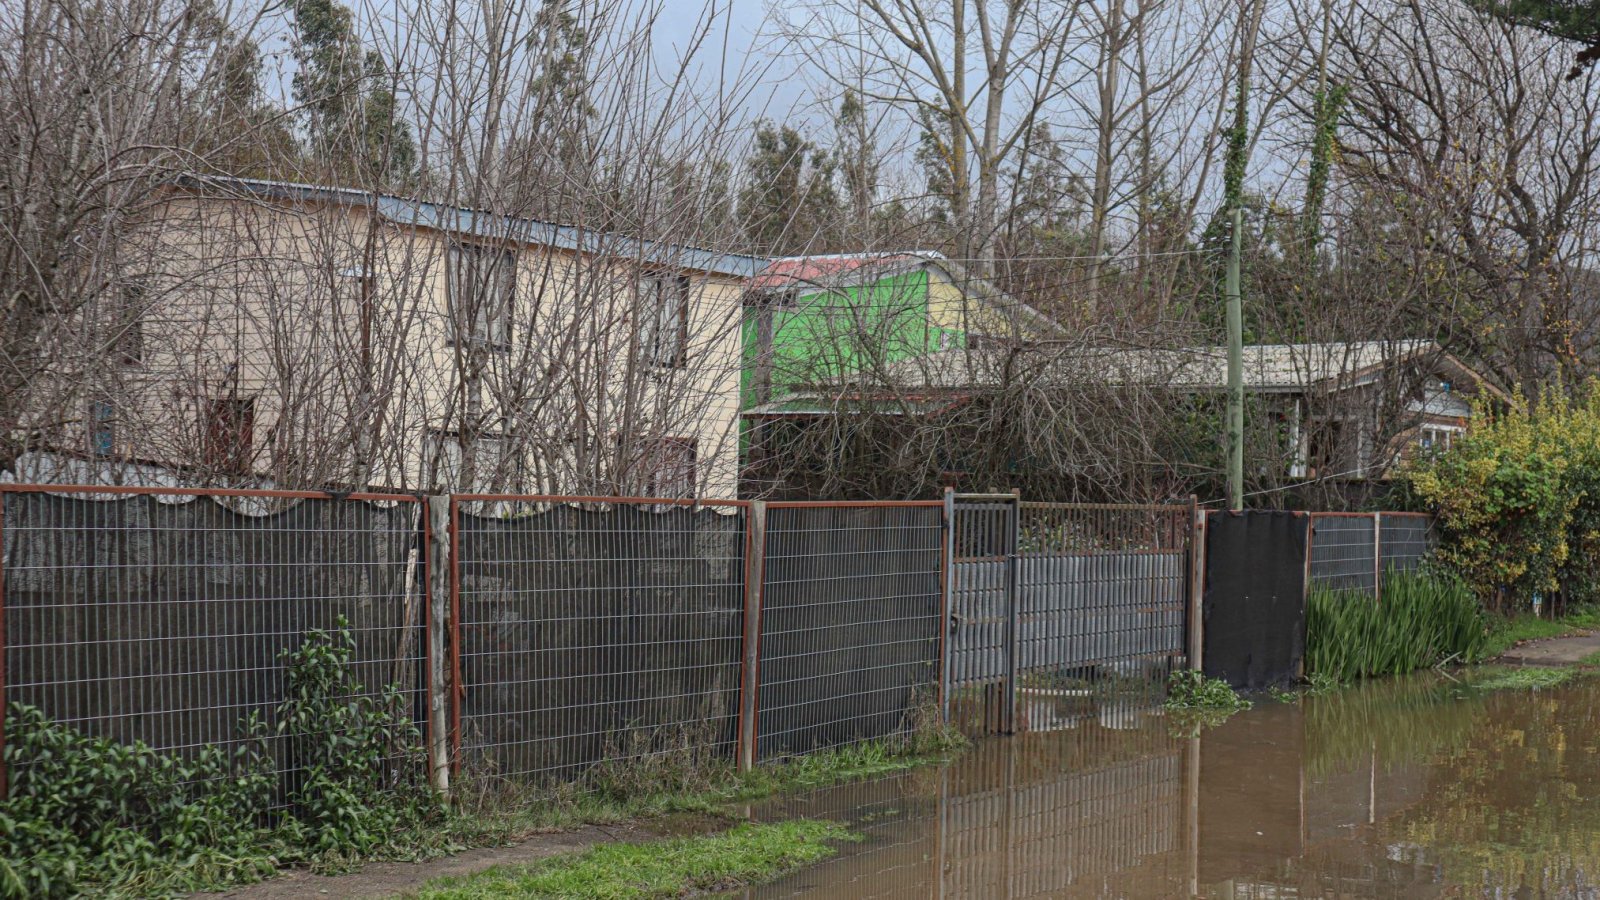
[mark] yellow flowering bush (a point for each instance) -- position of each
(1518, 499)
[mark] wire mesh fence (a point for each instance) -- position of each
(1406, 540)
(1356, 551)
(1087, 597)
(851, 623)
(596, 631)
(985, 542)
(166, 616)
(1344, 552)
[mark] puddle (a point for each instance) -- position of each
(1403, 788)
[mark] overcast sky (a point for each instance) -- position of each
(740, 26)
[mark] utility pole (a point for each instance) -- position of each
(1235, 368)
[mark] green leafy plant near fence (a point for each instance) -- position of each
(1517, 500)
(1426, 617)
(86, 814)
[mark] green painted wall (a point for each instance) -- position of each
(837, 332)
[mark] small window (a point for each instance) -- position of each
(664, 318)
(102, 429)
(230, 433)
(1438, 439)
(126, 324)
(672, 468)
(482, 286)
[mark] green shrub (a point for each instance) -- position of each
(88, 812)
(87, 809)
(1189, 689)
(1517, 500)
(358, 764)
(1425, 617)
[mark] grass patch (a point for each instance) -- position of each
(1523, 678)
(744, 854)
(1507, 633)
(498, 812)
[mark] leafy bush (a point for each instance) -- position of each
(1425, 617)
(1518, 500)
(89, 811)
(358, 764)
(1189, 689)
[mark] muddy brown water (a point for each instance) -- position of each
(1419, 787)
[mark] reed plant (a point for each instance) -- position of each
(1426, 617)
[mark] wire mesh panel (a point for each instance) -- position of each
(1103, 591)
(851, 612)
(1407, 539)
(1343, 552)
(165, 617)
(596, 630)
(980, 598)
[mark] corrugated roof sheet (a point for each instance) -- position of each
(1267, 367)
(838, 269)
(458, 220)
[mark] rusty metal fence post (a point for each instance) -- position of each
(5, 784)
(947, 588)
(749, 677)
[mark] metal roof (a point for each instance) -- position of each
(814, 274)
(458, 220)
(1268, 368)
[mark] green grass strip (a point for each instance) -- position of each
(1522, 678)
(744, 854)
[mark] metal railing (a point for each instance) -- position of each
(538, 637)
(851, 636)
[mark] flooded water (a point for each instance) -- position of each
(1412, 788)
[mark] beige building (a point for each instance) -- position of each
(294, 334)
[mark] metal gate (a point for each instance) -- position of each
(1056, 601)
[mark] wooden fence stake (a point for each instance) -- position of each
(755, 570)
(439, 626)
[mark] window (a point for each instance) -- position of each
(127, 341)
(230, 433)
(102, 429)
(672, 468)
(664, 319)
(482, 285)
(1328, 449)
(1434, 438)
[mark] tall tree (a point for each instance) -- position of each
(347, 94)
(789, 203)
(857, 154)
(974, 74)
(1573, 20)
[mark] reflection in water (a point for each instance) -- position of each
(1413, 788)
